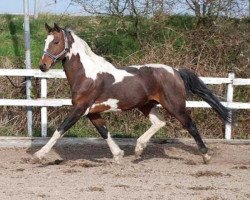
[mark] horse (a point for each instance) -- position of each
(98, 86)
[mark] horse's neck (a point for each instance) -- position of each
(89, 59)
(72, 71)
(82, 61)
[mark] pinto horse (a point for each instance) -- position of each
(97, 86)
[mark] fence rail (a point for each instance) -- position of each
(44, 102)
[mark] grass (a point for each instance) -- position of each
(108, 36)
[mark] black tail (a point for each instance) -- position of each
(196, 86)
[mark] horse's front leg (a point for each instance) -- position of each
(101, 127)
(72, 118)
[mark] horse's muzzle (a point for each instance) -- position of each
(43, 67)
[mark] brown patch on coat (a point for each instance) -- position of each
(82, 88)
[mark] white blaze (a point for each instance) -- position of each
(48, 40)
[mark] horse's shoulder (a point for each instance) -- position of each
(83, 85)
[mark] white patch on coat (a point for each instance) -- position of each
(155, 65)
(113, 103)
(48, 40)
(92, 63)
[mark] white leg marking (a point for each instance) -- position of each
(157, 123)
(115, 149)
(41, 153)
(206, 158)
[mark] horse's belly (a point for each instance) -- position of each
(114, 105)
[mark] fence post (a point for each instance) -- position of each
(230, 90)
(44, 121)
(27, 63)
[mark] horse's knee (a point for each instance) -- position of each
(99, 124)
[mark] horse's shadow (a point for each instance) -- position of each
(97, 153)
(168, 151)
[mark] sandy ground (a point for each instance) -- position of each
(166, 171)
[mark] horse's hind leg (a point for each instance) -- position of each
(101, 127)
(178, 110)
(187, 122)
(157, 122)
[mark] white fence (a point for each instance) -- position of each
(44, 102)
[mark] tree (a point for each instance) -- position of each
(215, 8)
(105, 7)
(126, 7)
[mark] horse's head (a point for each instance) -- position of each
(56, 47)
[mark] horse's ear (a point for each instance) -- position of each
(57, 28)
(48, 28)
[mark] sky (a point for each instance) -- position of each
(49, 6)
(16, 6)
(45, 6)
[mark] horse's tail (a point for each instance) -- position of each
(195, 85)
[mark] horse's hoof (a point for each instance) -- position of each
(206, 158)
(137, 156)
(138, 150)
(38, 155)
(118, 157)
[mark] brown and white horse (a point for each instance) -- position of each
(97, 86)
